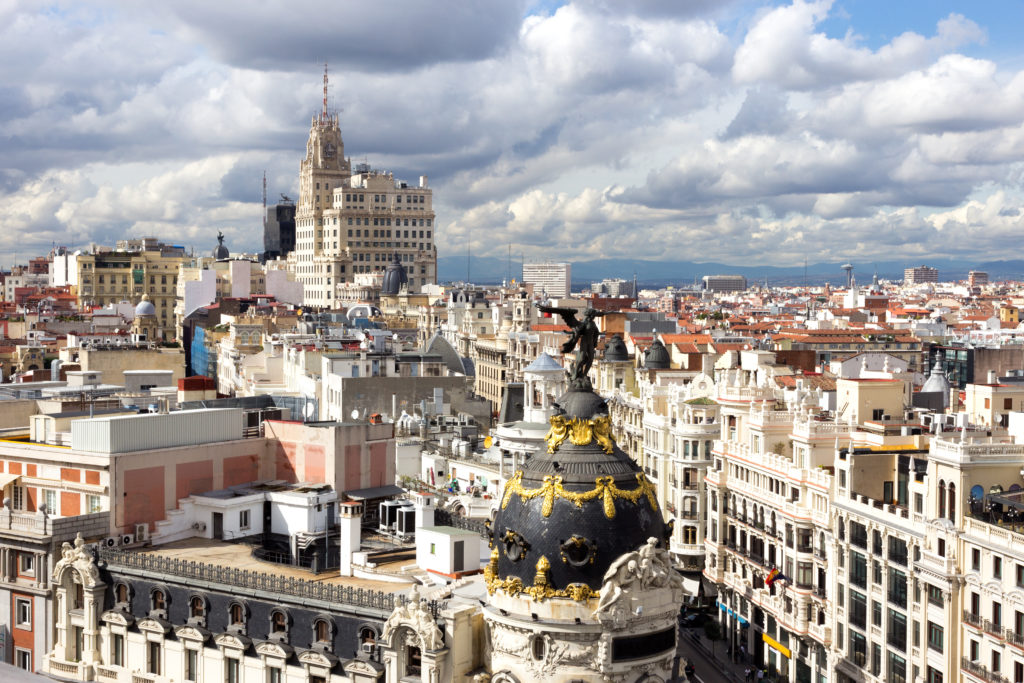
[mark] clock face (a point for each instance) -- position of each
(329, 150)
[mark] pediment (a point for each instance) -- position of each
(154, 625)
(195, 633)
(363, 666)
(232, 641)
(318, 658)
(270, 648)
(117, 617)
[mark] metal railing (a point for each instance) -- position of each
(233, 578)
(976, 669)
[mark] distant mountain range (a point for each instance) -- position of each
(489, 270)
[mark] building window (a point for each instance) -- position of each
(26, 564)
(934, 595)
(191, 664)
(976, 559)
(50, 501)
(321, 631)
(153, 658)
(231, 670)
(18, 497)
(117, 649)
(273, 675)
(159, 601)
(997, 567)
(279, 622)
(243, 519)
(196, 607)
(93, 504)
(23, 613)
(236, 615)
(23, 659)
(935, 637)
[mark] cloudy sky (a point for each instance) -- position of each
(742, 132)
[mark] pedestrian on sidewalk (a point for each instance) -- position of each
(747, 674)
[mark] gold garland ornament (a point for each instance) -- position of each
(605, 489)
(541, 589)
(580, 432)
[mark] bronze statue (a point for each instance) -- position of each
(583, 338)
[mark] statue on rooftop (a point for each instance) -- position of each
(582, 337)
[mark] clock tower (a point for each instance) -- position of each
(323, 169)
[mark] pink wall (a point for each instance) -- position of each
(193, 477)
(286, 461)
(241, 469)
(378, 465)
(144, 495)
(314, 464)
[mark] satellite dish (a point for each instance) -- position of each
(355, 414)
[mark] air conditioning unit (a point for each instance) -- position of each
(109, 542)
(127, 539)
(199, 526)
(368, 648)
(141, 533)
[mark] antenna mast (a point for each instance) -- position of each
(323, 114)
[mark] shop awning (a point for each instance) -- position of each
(6, 479)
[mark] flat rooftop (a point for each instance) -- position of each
(239, 556)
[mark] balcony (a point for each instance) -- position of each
(1014, 638)
(977, 670)
(992, 628)
(973, 619)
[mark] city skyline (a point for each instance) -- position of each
(748, 133)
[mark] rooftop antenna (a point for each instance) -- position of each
(323, 114)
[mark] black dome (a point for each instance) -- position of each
(220, 252)
(394, 278)
(656, 357)
(615, 349)
(567, 515)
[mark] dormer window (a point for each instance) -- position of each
(236, 615)
(158, 600)
(197, 607)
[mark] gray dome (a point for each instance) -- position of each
(220, 252)
(656, 357)
(936, 382)
(544, 363)
(394, 278)
(145, 307)
(441, 346)
(615, 349)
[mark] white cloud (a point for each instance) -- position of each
(653, 129)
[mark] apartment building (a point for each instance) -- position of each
(553, 279)
(355, 220)
(920, 275)
(126, 272)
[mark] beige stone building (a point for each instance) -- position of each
(351, 221)
(125, 273)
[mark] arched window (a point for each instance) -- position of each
(158, 599)
(196, 607)
(321, 631)
(121, 593)
(538, 648)
(278, 622)
(942, 498)
(236, 614)
(952, 501)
